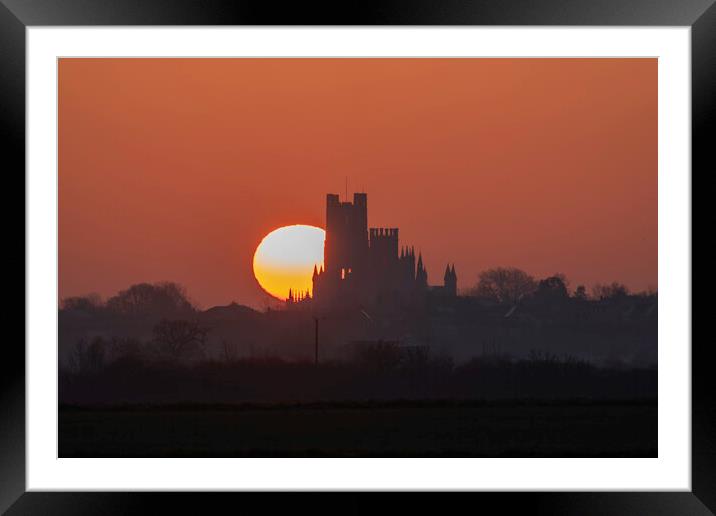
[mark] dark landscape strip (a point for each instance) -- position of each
(367, 405)
(513, 452)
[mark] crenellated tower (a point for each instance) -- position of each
(365, 267)
(346, 244)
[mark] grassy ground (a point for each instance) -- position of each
(415, 429)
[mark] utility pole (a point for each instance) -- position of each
(316, 341)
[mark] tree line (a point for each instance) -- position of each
(504, 285)
(510, 285)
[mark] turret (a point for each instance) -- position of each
(421, 276)
(450, 280)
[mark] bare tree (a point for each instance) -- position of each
(614, 291)
(88, 303)
(87, 357)
(164, 299)
(125, 348)
(179, 338)
(380, 356)
(580, 293)
(230, 352)
(504, 285)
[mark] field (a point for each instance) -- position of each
(372, 429)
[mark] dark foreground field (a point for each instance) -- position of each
(375, 429)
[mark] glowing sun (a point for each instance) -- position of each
(285, 259)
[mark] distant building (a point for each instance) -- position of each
(449, 287)
(367, 268)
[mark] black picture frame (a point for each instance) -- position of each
(17, 15)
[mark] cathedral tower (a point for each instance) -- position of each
(346, 246)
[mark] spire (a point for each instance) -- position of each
(421, 276)
(290, 296)
(451, 280)
(315, 271)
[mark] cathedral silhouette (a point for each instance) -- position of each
(366, 268)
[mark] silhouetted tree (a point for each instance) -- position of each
(125, 348)
(539, 357)
(87, 357)
(381, 356)
(649, 293)
(580, 293)
(504, 285)
(614, 291)
(163, 299)
(553, 288)
(180, 338)
(88, 303)
(230, 352)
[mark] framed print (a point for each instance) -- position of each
(405, 248)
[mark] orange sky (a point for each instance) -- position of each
(174, 169)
